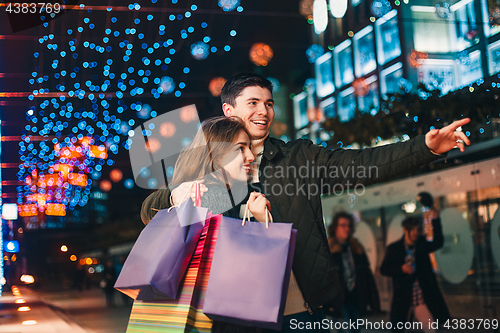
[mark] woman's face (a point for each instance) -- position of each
(236, 162)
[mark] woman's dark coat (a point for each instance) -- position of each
(365, 288)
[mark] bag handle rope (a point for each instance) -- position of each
(246, 216)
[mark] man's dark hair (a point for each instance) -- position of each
(235, 85)
(333, 226)
(410, 223)
(426, 199)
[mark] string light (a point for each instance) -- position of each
(84, 123)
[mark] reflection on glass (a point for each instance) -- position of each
(465, 24)
(455, 33)
(470, 68)
(347, 104)
(324, 75)
(388, 44)
(364, 52)
(369, 103)
(390, 78)
(438, 74)
(342, 55)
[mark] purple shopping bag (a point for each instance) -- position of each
(250, 273)
(160, 256)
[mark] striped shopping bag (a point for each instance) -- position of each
(183, 314)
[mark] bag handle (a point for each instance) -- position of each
(246, 216)
(197, 194)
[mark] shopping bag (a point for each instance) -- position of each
(183, 314)
(160, 256)
(250, 273)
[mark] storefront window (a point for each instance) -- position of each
(369, 103)
(469, 68)
(328, 107)
(342, 56)
(364, 52)
(438, 74)
(300, 110)
(347, 104)
(390, 79)
(387, 31)
(494, 57)
(324, 75)
(453, 30)
(491, 12)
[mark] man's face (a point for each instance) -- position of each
(343, 231)
(255, 106)
(412, 234)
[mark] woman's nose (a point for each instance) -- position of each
(249, 157)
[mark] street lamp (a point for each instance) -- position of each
(64, 248)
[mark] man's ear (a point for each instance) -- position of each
(227, 109)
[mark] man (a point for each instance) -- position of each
(293, 175)
(360, 293)
(415, 289)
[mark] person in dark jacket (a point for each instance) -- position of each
(415, 288)
(293, 176)
(360, 293)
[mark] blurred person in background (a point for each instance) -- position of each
(108, 283)
(416, 293)
(359, 290)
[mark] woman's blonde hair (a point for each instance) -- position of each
(212, 141)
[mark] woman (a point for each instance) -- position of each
(220, 157)
(360, 292)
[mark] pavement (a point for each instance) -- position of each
(61, 311)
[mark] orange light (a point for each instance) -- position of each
(152, 145)
(82, 262)
(20, 301)
(49, 181)
(105, 185)
(72, 257)
(64, 248)
(20, 230)
(116, 174)
(70, 153)
(13, 258)
(63, 169)
(98, 152)
(95, 261)
(29, 322)
(167, 129)
(215, 86)
(77, 179)
(261, 54)
(26, 278)
(55, 210)
(27, 210)
(189, 113)
(88, 261)
(23, 309)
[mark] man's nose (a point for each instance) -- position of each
(262, 109)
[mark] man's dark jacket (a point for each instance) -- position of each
(402, 283)
(293, 175)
